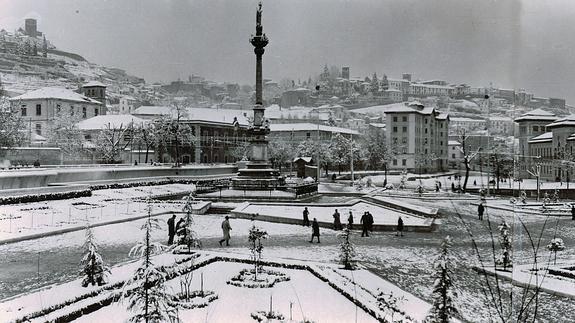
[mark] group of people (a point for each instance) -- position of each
(176, 228)
(366, 222)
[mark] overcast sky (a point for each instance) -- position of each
(511, 43)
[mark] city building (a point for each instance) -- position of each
(345, 72)
(297, 132)
(420, 135)
(97, 91)
(455, 154)
(127, 105)
(38, 108)
(295, 97)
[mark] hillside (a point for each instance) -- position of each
(28, 63)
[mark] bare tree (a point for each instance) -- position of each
(467, 155)
(65, 134)
(112, 141)
(172, 132)
(11, 126)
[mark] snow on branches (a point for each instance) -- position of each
(346, 249)
(442, 294)
(94, 270)
(145, 292)
(505, 258)
(556, 244)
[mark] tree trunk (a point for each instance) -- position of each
(467, 168)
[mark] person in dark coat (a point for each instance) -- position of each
(573, 212)
(171, 229)
(370, 221)
(350, 220)
(306, 217)
(226, 231)
(399, 227)
(364, 224)
(480, 211)
(336, 220)
(315, 230)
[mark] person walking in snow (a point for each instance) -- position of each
(336, 220)
(480, 211)
(399, 227)
(171, 229)
(370, 221)
(314, 230)
(306, 217)
(364, 224)
(350, 220)
(226, 231)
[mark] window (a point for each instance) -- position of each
(395, 162)
(441, 143)
(404, 129)
(71, 110)
(395, 140)
(425, 130)
(96, 111)
(403, 140)
(84, 114)
(453, 156)
(38, 109)
(88, 137)
(403, 162)
(394, 119)
(23, 111)
(535, 128)
(39, 129)
(404, 119)
(307, 135)
(394, 129)
(58, 108)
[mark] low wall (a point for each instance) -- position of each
(27, 178)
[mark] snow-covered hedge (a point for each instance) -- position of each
(44, 197)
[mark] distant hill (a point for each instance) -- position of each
(28, 63)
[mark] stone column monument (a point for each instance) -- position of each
(258, 174)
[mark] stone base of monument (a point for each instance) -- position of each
(257, 176)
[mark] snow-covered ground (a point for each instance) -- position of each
(404, 261)
(29, 219)
(381, 215)
(309, 295)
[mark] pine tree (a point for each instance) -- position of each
(94, 269)
(145, 292)
(346, 249)
(443, 308)
(44, 47)
(505, 259)
(186, 233)
(255, 237)
(374, 87)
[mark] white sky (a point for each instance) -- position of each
(512, 43)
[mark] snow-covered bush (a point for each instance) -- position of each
(145, 292)
(346, 249)
(94, 270)
(44, 197)
(442, 294)
(505, 258)
(556, 244)
(389, 303)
